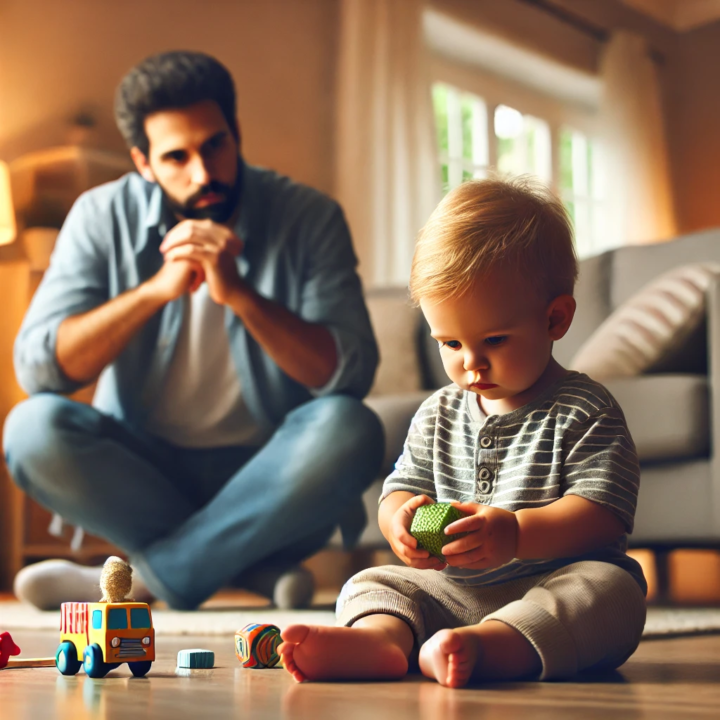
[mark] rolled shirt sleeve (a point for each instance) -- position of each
(332, 296)
(75, 282)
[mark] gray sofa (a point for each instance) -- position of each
(674, 415)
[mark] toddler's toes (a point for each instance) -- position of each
(449, 657)
(289, 664)
(295, 633)
(292, 636)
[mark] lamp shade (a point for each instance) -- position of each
(7, 212)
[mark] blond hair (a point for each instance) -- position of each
(485, 223)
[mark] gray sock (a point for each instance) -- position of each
(289, 589)
(48, 584)
(294, 589)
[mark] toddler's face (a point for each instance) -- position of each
(496, 339)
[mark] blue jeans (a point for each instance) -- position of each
(192, 520)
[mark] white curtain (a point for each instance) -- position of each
(387, 178)
(639, 190)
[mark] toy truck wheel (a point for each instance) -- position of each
(141, 668)
(93, 663)
(66, 659)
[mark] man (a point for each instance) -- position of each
(219, 306)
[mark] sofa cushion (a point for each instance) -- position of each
(434, 375)
(634, 266)
(592, 294)
(653, 325)
(395, 323)
(396, 413)
(668, 415)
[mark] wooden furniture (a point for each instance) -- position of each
(45, 185)
(24, 525)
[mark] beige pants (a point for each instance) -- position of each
(586, 615)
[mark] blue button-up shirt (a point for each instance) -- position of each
(297, 252)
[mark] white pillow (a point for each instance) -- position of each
(650, 326)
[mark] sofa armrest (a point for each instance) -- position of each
(396, 413)
(713, 347)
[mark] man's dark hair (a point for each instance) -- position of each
(169, 81)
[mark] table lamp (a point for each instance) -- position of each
(8, 228)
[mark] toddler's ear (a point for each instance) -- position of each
(560, 313)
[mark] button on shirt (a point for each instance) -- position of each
(486, 460)
(297, 252)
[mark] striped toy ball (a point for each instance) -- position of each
(256, 646)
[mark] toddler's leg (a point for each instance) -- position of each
(489, 651)
(588, 615)
(376, 647)
(387, 613)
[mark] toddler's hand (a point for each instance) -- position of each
(491, 540)
(404, 545)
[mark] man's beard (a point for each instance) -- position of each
(217, 212)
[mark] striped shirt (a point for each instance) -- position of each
(570, 440)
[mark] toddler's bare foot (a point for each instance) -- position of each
(450, 656)
(335, 653)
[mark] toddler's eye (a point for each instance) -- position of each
(454, 344)
(496, 340)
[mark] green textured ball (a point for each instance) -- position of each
(428, 525)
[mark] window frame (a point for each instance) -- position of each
(495, 90)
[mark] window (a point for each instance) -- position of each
(97, 620)
(523, 143)
(461, 120)
(117, 619)
(475, 135)
(139, 618)
(580, 185)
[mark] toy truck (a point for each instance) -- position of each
(105, 635)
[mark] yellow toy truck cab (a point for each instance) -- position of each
(105, 635)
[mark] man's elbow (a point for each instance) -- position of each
(353, 374)
(29, 382)
(38, 377)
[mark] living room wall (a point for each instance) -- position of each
(694, 126)
(61, 58)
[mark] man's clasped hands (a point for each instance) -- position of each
(197, 251)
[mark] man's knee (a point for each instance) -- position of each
(329, 438)
(345, 422)
(34, 430)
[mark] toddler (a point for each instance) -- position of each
(538, 458)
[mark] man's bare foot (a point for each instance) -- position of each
(341, 653)
(450, 656)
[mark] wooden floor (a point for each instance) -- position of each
(677, 678)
